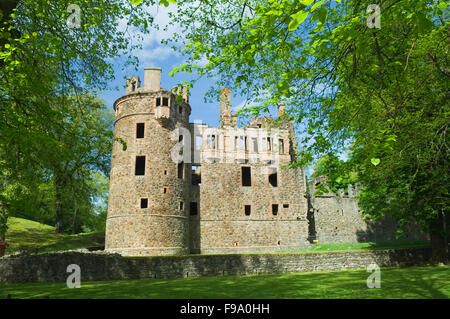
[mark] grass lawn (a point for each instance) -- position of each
(34, 237)
(28, 235)
(403, 283)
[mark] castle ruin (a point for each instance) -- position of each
(182, 188)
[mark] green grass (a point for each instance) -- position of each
(403, 283)
(31, 236)
(367, 246)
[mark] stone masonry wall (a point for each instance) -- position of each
(52, 267)
(338, 218)
(224, 227)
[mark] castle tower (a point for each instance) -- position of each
(149, 192)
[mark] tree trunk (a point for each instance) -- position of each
(74, 223)
(59, 205)
(439, 241)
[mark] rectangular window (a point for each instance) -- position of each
(196, 178)
(246, 176)
(255, 144)
(269, 144)
(281, 145)
(180, 109)
(180, 170)
(181, 206)
(198, 140)
(140, 130)
(140, 165)
(273, 177)
(247, 210)
(211, 141)
(165, 101)
(180, 138)
(285, 205)
(193, 209)
(144, 202)
(158, 101)
(275, 209)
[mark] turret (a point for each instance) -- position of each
(149, 197)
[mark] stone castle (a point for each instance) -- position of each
(182, 188)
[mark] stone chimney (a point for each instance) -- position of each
(225, 107)
(152, 79)
(281, 109)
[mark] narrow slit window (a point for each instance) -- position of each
(180, 109)
(193, 208)
(181, 206)
(247, 210)
(140, 165)
(246, 176)
(165, 190)
(180, 170)
(281, 145)
(275, 209)
(158, 101)
(144, 202)
(133, 86)
(269, 144)
(140, 127)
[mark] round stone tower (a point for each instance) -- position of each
(149, 192)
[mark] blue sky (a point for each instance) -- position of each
(154, 54)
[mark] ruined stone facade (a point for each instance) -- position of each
(182, 187)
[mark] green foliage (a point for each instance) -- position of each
(339, 174)
(54, 136)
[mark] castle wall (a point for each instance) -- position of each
(338, 218)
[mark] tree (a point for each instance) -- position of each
(344, 80)
(45, 55)
(338, 172)
(64, 180)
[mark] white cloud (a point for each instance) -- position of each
(152, 51)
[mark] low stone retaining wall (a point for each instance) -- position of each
(97, 266)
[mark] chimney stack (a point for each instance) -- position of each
(281, 109)
(225, 107)
(152, 79)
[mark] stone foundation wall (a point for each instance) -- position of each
(52, 267)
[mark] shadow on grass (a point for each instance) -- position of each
(411, 282)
